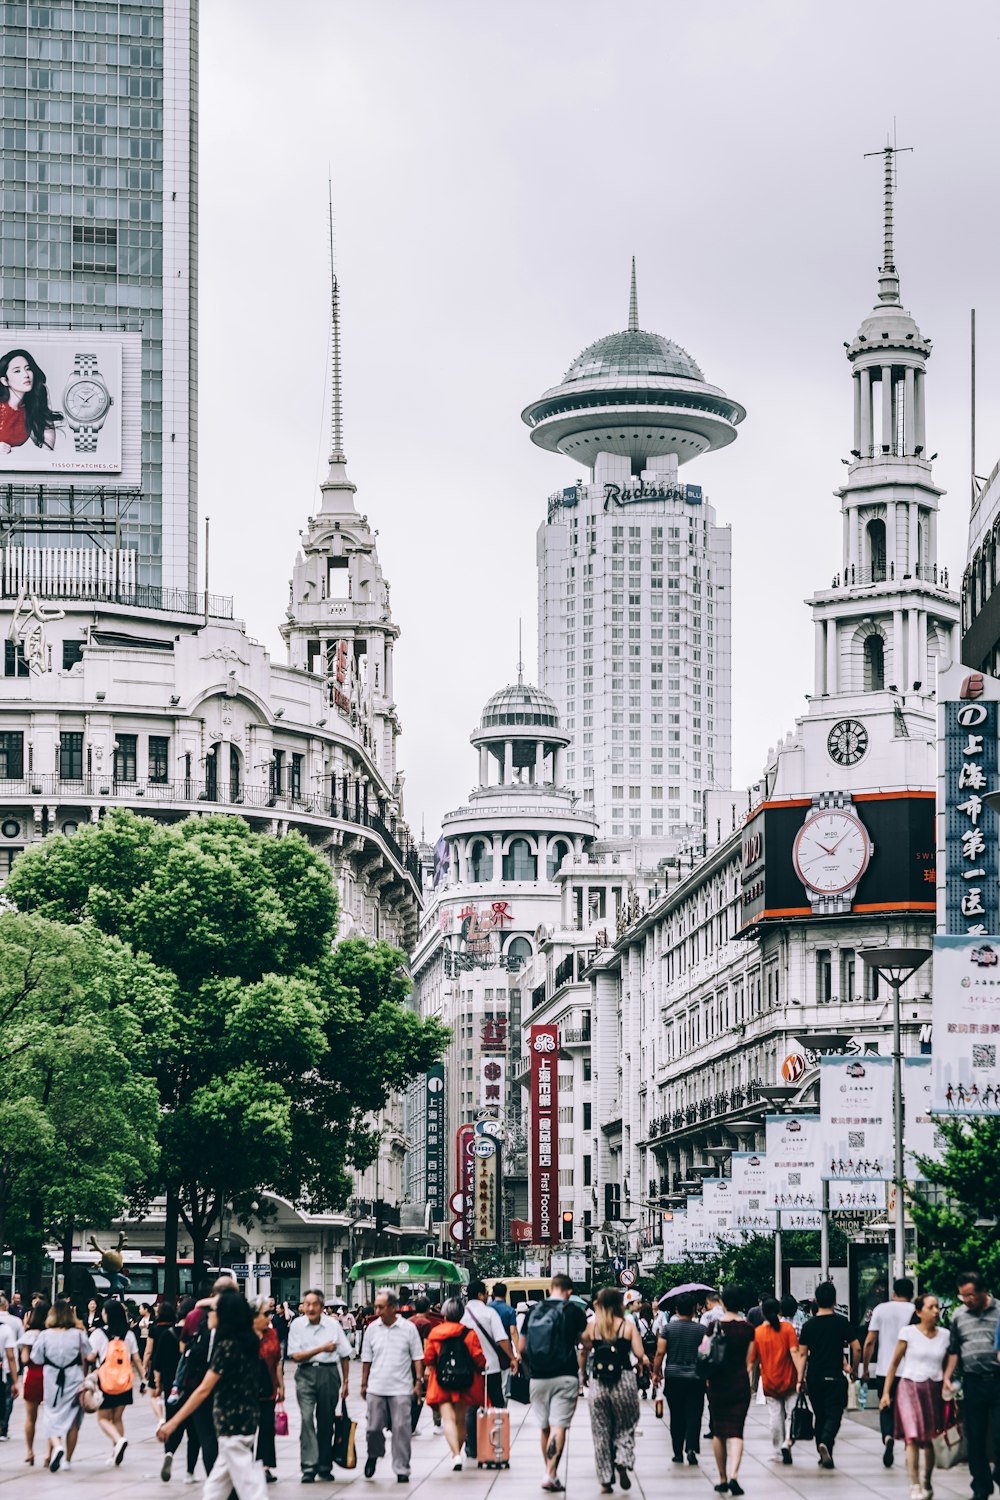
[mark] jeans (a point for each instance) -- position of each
(394, 1412)
(685, 1399)
(317, 1388)
(828, 1397)
(6, 1404)
(981, 1413)
(779, 1409)
(234, 1471)
(494, 1397)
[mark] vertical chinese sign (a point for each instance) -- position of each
(434, 1173)
(544, 1048)
(465, 1161)
(486, 1229)
(972, 898)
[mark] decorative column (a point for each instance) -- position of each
(543, 856)
(891, 553)
(831, 657)
(914, 532)
(539, 762)
(898, 649)
(484, 765)
(923, 665)
(919, 431)
(508, 762)
(932, 521)
(820, 661)
(887, 433)
(865, 379)
(913, 652)
(857, 410)
(909, 426)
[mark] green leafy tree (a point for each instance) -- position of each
(279, 1048)
(78, 1108)
(955, 1209)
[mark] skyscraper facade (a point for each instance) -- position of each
(634, 597)
(98, 263)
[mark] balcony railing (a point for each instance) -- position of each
(223, 793)
(725, 1103)
(856, 578)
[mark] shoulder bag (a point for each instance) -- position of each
(501, 1354)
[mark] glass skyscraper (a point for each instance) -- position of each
(98, 236)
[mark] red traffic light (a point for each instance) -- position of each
(567, 1224)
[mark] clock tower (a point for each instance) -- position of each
(887, 618)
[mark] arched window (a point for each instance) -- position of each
(875, 531)
(874, 664)
(519, 863)
(480, 862)
(558, 851)
(517, 953)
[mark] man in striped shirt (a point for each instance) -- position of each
(973, 1340)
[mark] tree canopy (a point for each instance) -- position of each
(955, 1208)
(276, 1047)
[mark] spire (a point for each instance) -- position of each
(633, 304)
(336, 390)
(888, 281)
(520, 655)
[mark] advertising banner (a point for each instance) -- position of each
(718, 1200)
(971, 888)
(543, 1044)
(860, 1195)
(70, 404)
(674, 1236)
(465, 1139)
(486, 1191)
(492, 1081)
(794, 1154)
(855, 1096)
(701, 1237)
(966, 1014)
(435, 1186)
(921, 1136)
(750, 1212)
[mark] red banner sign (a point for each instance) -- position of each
(544, 1047)
(465, 1162)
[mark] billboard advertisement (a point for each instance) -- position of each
(899, 876)
(751, 1214)
(921, 1136)
(544, 1048)
(855, 1097)
(971, 887)
(794, 1155)
(70, 406)
(434, 1167)
(966, 1012)
(674, 1236)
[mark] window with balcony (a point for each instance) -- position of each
(11, 755)
(159, 758)
(296, 781)
(824, 976)
(71, 755)
(125, 756)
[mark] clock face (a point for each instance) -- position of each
(847, 742)
(86, 400)
(831, 852)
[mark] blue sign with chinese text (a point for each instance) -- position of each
(972, 890)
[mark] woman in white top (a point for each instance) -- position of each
(111, 1415)
(921, 1353)
(62, 1350)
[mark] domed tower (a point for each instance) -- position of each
(634, 635)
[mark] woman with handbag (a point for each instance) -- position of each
(454, 1382)
(62, 1351)
(728, 1369)
(612, 1339)
(782, 1367)
(272, 1387)
(683, 1383)
(920, 1352)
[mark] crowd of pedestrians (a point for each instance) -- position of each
(215, 1371)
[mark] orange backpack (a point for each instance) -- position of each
(115, 1374)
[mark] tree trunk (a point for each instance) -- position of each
(171, 1279)
(36, 1248)
(67, 1257)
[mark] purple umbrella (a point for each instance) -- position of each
(687, 1286)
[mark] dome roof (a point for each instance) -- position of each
(630, 358)
(520, 703)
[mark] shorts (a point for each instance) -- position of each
(553, 1400)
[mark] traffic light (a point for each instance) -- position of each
(567, 1224)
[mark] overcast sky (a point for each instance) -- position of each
(495, 167)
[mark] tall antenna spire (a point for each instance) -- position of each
(336, 390)
(633, 304)
(888, 281)
(520, 654)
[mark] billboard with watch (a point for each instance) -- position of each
(70, 405)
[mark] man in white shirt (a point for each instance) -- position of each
(315, 1344)
(493, 1338)
(883, 1333)
(392, 1368)
(713, 1309)
(8, 1372)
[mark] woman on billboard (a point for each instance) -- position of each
(24, 403)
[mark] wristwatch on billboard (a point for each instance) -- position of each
(832, 851)
(87, 402)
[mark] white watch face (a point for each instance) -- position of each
(831, 852)
(86, 401)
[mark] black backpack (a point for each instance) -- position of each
(610, 1361)
(455, 1369)
(547, 1345)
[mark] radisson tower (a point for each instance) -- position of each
(634, 600)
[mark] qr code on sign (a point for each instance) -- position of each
(855, 1138)
(794, 1179)
(984, 1055)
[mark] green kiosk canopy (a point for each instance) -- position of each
(408, 1269)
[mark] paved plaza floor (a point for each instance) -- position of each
(859, 1470)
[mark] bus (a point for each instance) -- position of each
(146, 1274)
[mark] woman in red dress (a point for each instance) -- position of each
(34, 1375)
(273, 1379)
(452, 1403)
(24, 403)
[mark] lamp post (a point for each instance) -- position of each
(897, 965)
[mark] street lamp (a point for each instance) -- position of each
(897, 965)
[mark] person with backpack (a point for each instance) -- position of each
(683, 1384)
(454, 1362)
(392, 1373)
(613, 1339)
(499, 1352)
(549, 1337)
(118, 1363)
(782, 1365)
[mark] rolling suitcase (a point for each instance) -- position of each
(492, 1438)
